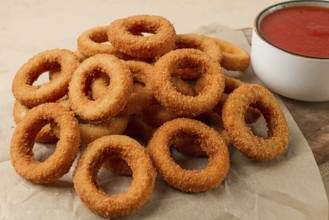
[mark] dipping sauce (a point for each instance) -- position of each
(302, 30)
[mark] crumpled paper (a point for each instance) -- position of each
(289, 187)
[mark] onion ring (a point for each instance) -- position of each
(81, 57)
(122, 35)
(90, 43)
(175, 101)
(186, 144)
(214, 118)
(85, 176)
(138, 130)
(182, 86)
(189, 180)
(156, 114)
(98, 86)
(92, 131)
(187, 73)
(22, 142)
(251, 115)
(245, 141)
(117, 166)
(119, 89)
(49, 60)
(234, 58)
(142, 95)
(45, 135)
(200, 42)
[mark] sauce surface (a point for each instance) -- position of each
(302, 30)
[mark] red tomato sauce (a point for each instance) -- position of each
(302, 30)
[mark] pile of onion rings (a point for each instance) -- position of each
(128, 85)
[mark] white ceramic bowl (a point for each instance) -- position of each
(291, 75)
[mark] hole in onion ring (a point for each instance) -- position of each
(188, 162)
(143, 30)
(185, 79)
(42, 79)
(96, 84)
(82, 121)
(189, 143)
(112, 183)
(52, 72)
(142, 34)
(145, 34)
(42, 75)
(106, 43)
(183, 86)
(43, 151)
(259, 128)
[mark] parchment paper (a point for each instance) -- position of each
(289, 187)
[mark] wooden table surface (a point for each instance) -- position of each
(312, 119)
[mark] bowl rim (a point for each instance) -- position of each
(286, 4)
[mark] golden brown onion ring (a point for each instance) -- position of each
(117, 166)
(46, 134)
(122, 35)
(156, 114)
(252, 114)
(234, 58)
(142, 94)
(81, 57)
(117, 94)
(187, 145)
(244, 140)
(92, 131)
(200, 42)
(138, 130)
(98, 86)
(189, 180)
(177, 102)
(93, 41)
(67, 147)
(50, 60)
(92, 158)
